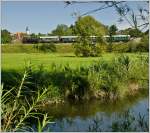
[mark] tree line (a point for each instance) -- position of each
(84, 27)
(87, 25)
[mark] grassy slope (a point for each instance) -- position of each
(29, 48)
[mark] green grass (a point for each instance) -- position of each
(17, 61)
(18, 48)
(29, 48)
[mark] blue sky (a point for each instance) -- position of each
(45, 16)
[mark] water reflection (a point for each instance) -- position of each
(86, 109)
(79, 116)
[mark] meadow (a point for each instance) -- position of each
(17, 61)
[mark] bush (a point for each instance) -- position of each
(143, 46)
(5, 36)
(120, 47)
(87, 47)
(46, 47)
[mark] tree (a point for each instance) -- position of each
(33, 35)
(112, 31)
(85, 28)
(88, 25)
(62, 30)
(135, 33)
(40, 34)
(132, 32)
(5, 36)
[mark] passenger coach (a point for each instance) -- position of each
(70, 39)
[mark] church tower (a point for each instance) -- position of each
(27, 30)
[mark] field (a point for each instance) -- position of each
(17, 55)
(17, 61)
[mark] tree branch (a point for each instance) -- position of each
(102, 7)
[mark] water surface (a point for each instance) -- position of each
(80, 116)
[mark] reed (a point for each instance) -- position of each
(17, 108)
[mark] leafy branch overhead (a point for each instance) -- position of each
(137, 20)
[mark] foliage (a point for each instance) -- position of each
(131, 46)
(33, 35)
(132, 32)
(41, 125)
(40, 34)
(85, 28)
(5, 36)
(135, 33)
(112, 31)
(86, 48)
(15, 113)
(62, 30)
(33, 48)
(46, 47)
(137, 20)
(143, 46)
(102, 79)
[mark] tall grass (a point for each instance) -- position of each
(17, 108)
(118, 77)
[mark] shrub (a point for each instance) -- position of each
(120, 47)
(46, 47)
(5, 36)
(143, 46)
(131, 46)
(87, 48)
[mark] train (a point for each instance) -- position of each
(117, 38)
(71, 39)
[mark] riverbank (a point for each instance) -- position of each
(106, 78)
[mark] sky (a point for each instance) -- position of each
(44, 16)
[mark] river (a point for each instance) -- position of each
(80, 116)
